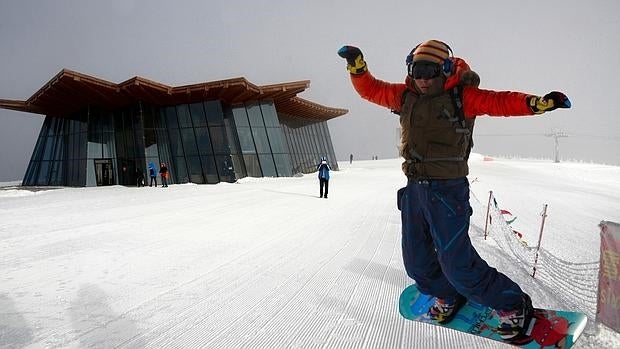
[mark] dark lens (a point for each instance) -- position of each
(425, 71)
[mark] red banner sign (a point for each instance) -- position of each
(608, 305)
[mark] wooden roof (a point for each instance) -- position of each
(70, 91)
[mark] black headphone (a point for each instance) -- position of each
(446, 66)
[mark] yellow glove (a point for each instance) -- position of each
(355, 59)
(549, 102)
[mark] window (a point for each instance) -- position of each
(198, 115)
(269, 114)
(275, 139)
(267, 164)
(260, 138)
(189, 142)
(195, 169)
(254, 115)
(215, 116)
(241, 117)
(246, 140)
(183, 115)
(209, 169)
(218, 139)
(203, 141)
(252, 166)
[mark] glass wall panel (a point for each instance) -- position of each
(218, 139)
(81, 169)
(209, 169)
(129, 141)
(148, 116)
(43, 173)
(71, 144)
(269, 114)
(252, 166)
(189, 142)
(246, 140)
(203, 141)
(239, 166)
(276, 140)
(254, 115)
(267, 165)
(59, 147)
(198, 114)
(183, 116)
(283, 165)
(49, 147)
(32, 176)
(215, 115)
(178, 170)
(91, 179)
(195, 169)
(56, 173)
(260, 138)
(150, 143)
(176, 146)
(108, 145)
(171, 117)
(95, 145)
(241, 117)
(121, 152)
(82, 146)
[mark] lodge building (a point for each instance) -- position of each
(101, 133)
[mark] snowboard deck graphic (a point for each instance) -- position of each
(548, 329)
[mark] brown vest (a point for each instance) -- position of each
(435, 142)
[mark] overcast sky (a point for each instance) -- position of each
(526, 45)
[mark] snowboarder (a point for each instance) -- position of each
(438, 104)
(323, 169)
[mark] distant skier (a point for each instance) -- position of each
(323, 170)
(163, 172)
(438, 104)
(152, 174)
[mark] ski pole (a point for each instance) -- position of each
(486, 222)
(542, 225)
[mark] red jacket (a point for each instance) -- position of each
(475, 101)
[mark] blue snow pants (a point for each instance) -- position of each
(437, 251)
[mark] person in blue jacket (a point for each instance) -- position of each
(152, 174)
(323, 168)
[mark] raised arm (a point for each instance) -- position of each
(370, 88)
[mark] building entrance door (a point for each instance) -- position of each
(104, 172)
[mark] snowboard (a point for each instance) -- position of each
(548, 328)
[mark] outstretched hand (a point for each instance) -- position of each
(355, 59)
(548, 102)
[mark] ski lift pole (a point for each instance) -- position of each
(486, 221)
(542, 225)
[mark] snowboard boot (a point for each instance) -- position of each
(445, 309)
(514, 323)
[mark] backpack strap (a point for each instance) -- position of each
(456, 93)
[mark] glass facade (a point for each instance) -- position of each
(203, 142)
(307, 142)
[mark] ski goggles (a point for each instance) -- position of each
(424, 70)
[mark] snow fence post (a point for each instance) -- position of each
(486, 221)
(542, 225)
(608, 276)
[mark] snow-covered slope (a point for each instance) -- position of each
(265, 263)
